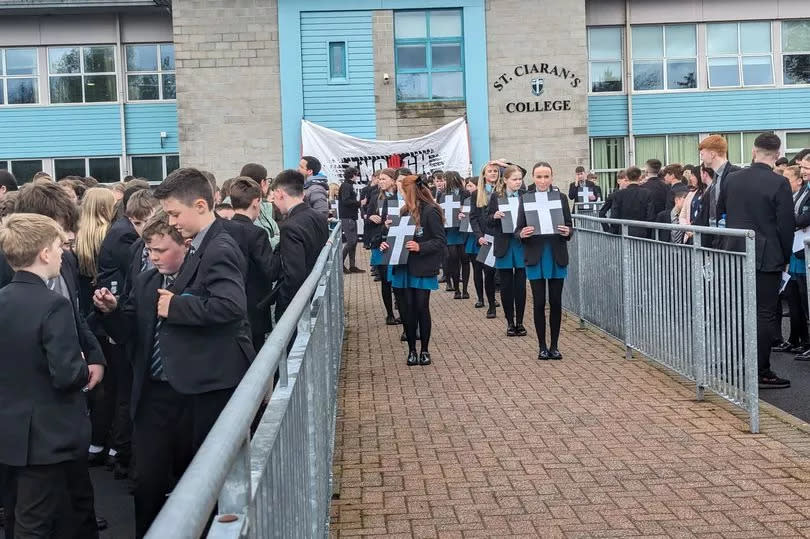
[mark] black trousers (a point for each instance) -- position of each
(109, 402)
(513, 294)
(52, 500)
(169, 428)
(796, 296)
(767, 284)
(457, 267)
(350, 234)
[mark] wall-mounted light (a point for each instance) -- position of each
(386, 78)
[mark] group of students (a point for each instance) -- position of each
(148, 311)
(439, 246)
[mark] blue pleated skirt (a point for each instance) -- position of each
(376, 257)
(455, 237)
(400, 278)
(546, 267)
(513, 257)
(471, 246)
(797, 266)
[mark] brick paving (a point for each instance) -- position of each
(490, 442)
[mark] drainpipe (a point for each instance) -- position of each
(121, 95)
(628, 64)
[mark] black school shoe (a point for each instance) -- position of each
(543, 354)
(424, 358)
(491, 312)
(511, 331)
(520, 330)
(783, 346)
(403, 337)
(479, 303)
(553, 353)
(804, 356)
(465, 295)
(457, 295)
(769, 380)
(449, 287)
(391, 321)
(413, 359)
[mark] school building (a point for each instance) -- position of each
(114, 87)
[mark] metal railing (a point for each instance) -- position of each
(688, 307)
(279, 483)
(590, 209)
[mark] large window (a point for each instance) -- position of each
(428, 54)
(739, 54)
(82, 74)
(681, 149)
(796, 142)
(150, 72)
(23, 169)
(607, 158)
(104, 169)
(154, 167)
(664, 57)
(796, 51)
(739, 146)
(18, 76)
(605, 59)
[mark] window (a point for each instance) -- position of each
(428, 55)
(739, 54)
(104, 169)
(605, 59)
(796, 51)
(796, 142)
(607, 159)
(23, 169)
(18, 76)
(154, 167)
(681, 149)
(150, 72)
(337, 61)
(82, 74)
(739, 147)
(664, 57)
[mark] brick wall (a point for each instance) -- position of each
(551, 33)
(228, 95)
(404, 120)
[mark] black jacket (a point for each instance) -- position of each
(633, 203)
(703, 217)
(43, 413)
(802, 213)
(304, 232)
(533, 245)
(478, 217)
(348, 204)
(659, 191)
(501, 239)
(430, 236)
(373, 232)
(113, 258)
(367, 193)
(760, 200)
(261, 269)
(573, 189)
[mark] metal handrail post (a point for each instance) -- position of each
(626, 293)
(580, 286)
(699, 319)
(750, 331)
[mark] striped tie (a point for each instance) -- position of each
(156, 366)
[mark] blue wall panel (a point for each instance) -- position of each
(60, 131)
(347, 107)
(739, 110)
(144, 123)
(607, 115)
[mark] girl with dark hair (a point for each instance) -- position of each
(457, 265)
(546, 264)
(509, 257)
(377, 210)
(412, 282)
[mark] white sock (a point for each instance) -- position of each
(95, 449)
(112, 452)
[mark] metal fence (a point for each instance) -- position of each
(279, 483)
(688, 307)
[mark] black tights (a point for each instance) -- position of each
(385, 287)
(484, 280)
(555, 288)
(513, 294)
(457, 267)
(414, 306)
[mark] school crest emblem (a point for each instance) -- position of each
(537, 86)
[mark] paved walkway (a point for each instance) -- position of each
(490, 442)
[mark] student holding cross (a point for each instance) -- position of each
(546, 259)
(457, 264)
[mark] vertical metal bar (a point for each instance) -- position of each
(626, 291)
(580, 282)
(750, 303)
(699, 319)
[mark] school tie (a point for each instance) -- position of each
(144, 260)
(156, 366)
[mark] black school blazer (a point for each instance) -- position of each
(432, 243)
(533, 245)
(494, 225)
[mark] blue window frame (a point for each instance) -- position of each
(338, 66)
(429, 55)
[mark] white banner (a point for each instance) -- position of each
(447, 148)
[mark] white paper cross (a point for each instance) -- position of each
(513, 203)
(448, 205)
(399, 232)
(585, 194)
(543, 206)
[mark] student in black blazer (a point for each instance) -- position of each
(304, 232)
(795, 292)
(546, 262)
(758, 199)
(246, 196)
(509, 259)
(378, 208)
(413, 281)
(43, 412)
(633, 203)
(487, 181)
